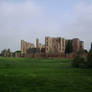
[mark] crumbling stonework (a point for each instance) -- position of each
(24, 46)
(77, 44)
(53, 46)
(39, 45)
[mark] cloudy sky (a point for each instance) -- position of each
(31, 19)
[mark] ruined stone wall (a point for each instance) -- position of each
(55, 45)
(63, 45)
(25, 46)
(77, 44)
(39, 45)
(48, 45)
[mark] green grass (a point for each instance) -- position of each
(43, 75)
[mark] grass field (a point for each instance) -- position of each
(43, 75)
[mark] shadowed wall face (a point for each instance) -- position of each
(77, 44)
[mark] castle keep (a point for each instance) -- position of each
(55, 45)
(52, 46)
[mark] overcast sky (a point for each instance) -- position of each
(31, 19)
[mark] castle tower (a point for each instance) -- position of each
(54, 45)
(23, 47)
(81, 44)
(76, 44)
(37, 43)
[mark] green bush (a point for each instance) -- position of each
(79, 61)
(89, 59)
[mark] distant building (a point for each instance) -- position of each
(52, 46)
(77, 44)
(17, 54)
(55, 45)
(25, 46)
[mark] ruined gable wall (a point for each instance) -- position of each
(25, 46)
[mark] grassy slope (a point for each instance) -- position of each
(43, 75)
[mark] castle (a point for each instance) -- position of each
(52, 46)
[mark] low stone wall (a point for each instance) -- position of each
(71, 55)
(42, 55)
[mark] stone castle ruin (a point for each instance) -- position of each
(52, 46)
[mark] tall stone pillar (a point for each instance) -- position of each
(22, 46)
(37, 43)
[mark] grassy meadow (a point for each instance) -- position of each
(43, 75)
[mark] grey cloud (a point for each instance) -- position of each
(81, 24)
(28, 21)
(13, 22)
(24, 20)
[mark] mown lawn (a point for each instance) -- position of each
(43, 75)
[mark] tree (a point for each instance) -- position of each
(6, 53)
(89, 58)
(69, 48)
(86, 51)
(91, 46)
(81, 52)
(3, 52)
(79, 62)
